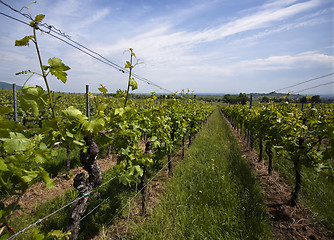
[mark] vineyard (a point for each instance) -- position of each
(210, 193)
(132, 132)
(300, 142)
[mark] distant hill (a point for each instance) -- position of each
(8, 86)
(275, 95)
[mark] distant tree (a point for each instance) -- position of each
(265, 99)
(303, 100)
(226, 98)
(242, 98)
(315, 99)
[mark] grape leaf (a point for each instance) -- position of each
(3, 166)
(47, 180)
(124, 180)
(133, 84)
(139, 170)
(39, 17)
(29, 176)
(73, 114)
(57, 68)
(33, 91)
(5, 110)
(30, 105)
(16, 142)
(103, 89)
(33, 99)
(119, 111)
(24, 41)
(94, 125)
(128, 64)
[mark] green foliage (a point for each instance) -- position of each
(57, 68)
(133, 84)
(33, 99)
(122, 126)
(103, 89)
(303, 137)
(39, 18)
(24, 41)
(242, 99)
(212, 195)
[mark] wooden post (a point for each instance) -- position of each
(87, 102)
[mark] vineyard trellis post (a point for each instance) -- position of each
(87, 102)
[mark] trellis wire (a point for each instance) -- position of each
(58, 210)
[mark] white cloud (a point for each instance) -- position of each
(163, 37)
(178, 56)
(274, 63)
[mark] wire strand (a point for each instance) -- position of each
(86, 50)
(143, 188)
(312, 79)
(14, 18)
(58, 210)
(324, 84)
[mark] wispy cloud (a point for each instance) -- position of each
(164, 37)
(179, 47)
(298, 62)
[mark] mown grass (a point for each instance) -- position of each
(212, 195)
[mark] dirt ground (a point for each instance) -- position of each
(154, 190)
(38, 194)
(287, 222)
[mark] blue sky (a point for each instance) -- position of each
(207, 46)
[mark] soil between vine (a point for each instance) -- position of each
(287, 222)
(38, 194)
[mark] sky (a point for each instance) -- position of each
(206, 46)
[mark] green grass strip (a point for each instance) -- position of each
(212, 195)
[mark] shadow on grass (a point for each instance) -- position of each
(250, 196)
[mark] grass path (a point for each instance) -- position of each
(212, 195)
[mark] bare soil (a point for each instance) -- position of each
(38, 194)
